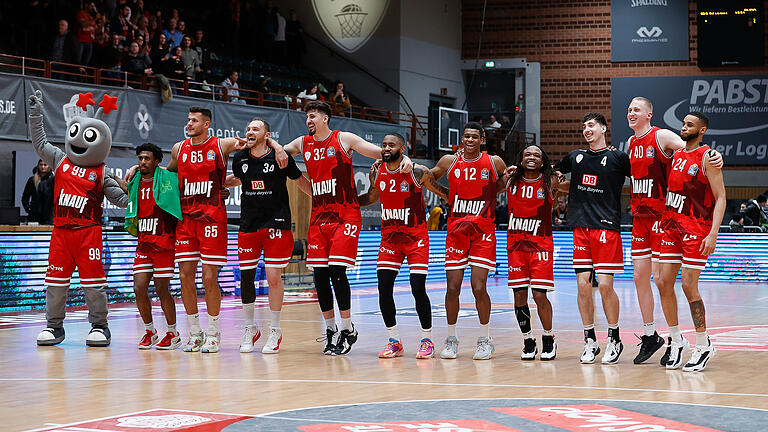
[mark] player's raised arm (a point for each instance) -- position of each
(671, 142)
(355, 143)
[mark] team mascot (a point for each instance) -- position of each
(80, 184)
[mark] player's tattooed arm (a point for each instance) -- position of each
(698, 314)
(425, 177)
(372, 195)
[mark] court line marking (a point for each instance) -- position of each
(270, 415)
(368, 382)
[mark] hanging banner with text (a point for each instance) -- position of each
(737, 107)
(649, 30)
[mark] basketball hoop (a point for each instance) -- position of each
(351, 20)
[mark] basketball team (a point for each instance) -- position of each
(178, 214)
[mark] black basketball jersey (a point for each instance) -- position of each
(264, 201)
(597, 178)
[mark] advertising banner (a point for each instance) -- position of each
(737, 107)
(13, 124)
(649, 30)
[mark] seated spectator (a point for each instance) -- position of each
(110, 56)
(262, 85)
(433, 222)
(754, 213)
(37, 198)
(233, 92)
(190, 58)
(203, 57)
(172, 34)
(160, 54)
(339, 100)
(560, 211)
(135, 62)
(494, 124)
(310, 93)
(182, 28)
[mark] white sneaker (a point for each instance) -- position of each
(250, 336)
(194, 342)
(529, 349)
(273, 341)
(591, 350)
(211, 344)
(700, 357)
(613, 350)
(451, 348)
(484, 349)
(677, 348)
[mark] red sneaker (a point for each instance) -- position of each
(171, 341)
(148, 340)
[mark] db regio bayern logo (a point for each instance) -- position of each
(142, 120)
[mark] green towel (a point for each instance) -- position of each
(165, 190)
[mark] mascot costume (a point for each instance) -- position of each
(80, 185)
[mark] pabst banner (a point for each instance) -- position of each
(737, 107)
(649, 30)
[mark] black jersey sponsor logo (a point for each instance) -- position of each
(198, 188)
(324, 187)
(642, 187)
(676, 201)
(473, 207)
(589, 180)
(524, 224)
(75, 201)
(396, 214)
(148, 225)
(257, 184)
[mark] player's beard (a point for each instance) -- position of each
(389, 157)
(690, 137)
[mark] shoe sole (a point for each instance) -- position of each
(97, 343)
(172, 346)
(593, 359)
(532, 356)
(615, 360)
(397, 354)
(422, 357)
(246, 350)
(545, 356)
(701, 367)
(50, 342)
(146, 347)
(448, 356)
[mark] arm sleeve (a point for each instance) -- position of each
(626, 166)
(113, 191)
(49, 153)
(564, 166)
(292, 170)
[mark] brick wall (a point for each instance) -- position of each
(572, 41)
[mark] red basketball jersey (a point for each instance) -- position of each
(690, 201)
(78, 195)
(334, 195)
(472, 191)
(530, 216)
(155, 226)
(650, 169)
(202, 171)
(402, 204)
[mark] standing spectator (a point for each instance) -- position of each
(340, 101)
(139, 12)
(268, 32)
(310, 93)
(190, 58)
(494, 123)
(232, 89)
(280, 43)
(294, 36)
(86, 33)
(176, 67)
(123, 26)
(142, 29)
(201, 47)
(37, 198)
(154, 27)
(136, 62)
(160, 54)
(172, 34)
(560, 211)
(64, 45)
(262, 86)
(182, 28)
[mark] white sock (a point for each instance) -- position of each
(149, 326)
(426, 333)
(648, 329)
(393, 333)
(213, 324)
(485, 330)
(451, 330)
(701, 339)
(548, 332)
(331, 323)
(171, 328)
(346, 323)
(249, 310)
(194, 323)
(274, 319)
(528, 335)
(674, 333)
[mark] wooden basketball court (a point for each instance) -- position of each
(68, 383)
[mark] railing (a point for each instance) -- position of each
(91, 75)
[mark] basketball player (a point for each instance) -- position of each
(530, 247)
(403, 235)
(201, 163)
(152, 214)
(335, 220)
(474, 179)
(650, 154)
(694, 210)
(265, 225)
(594, 210)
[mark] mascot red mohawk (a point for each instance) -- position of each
(80, 184)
